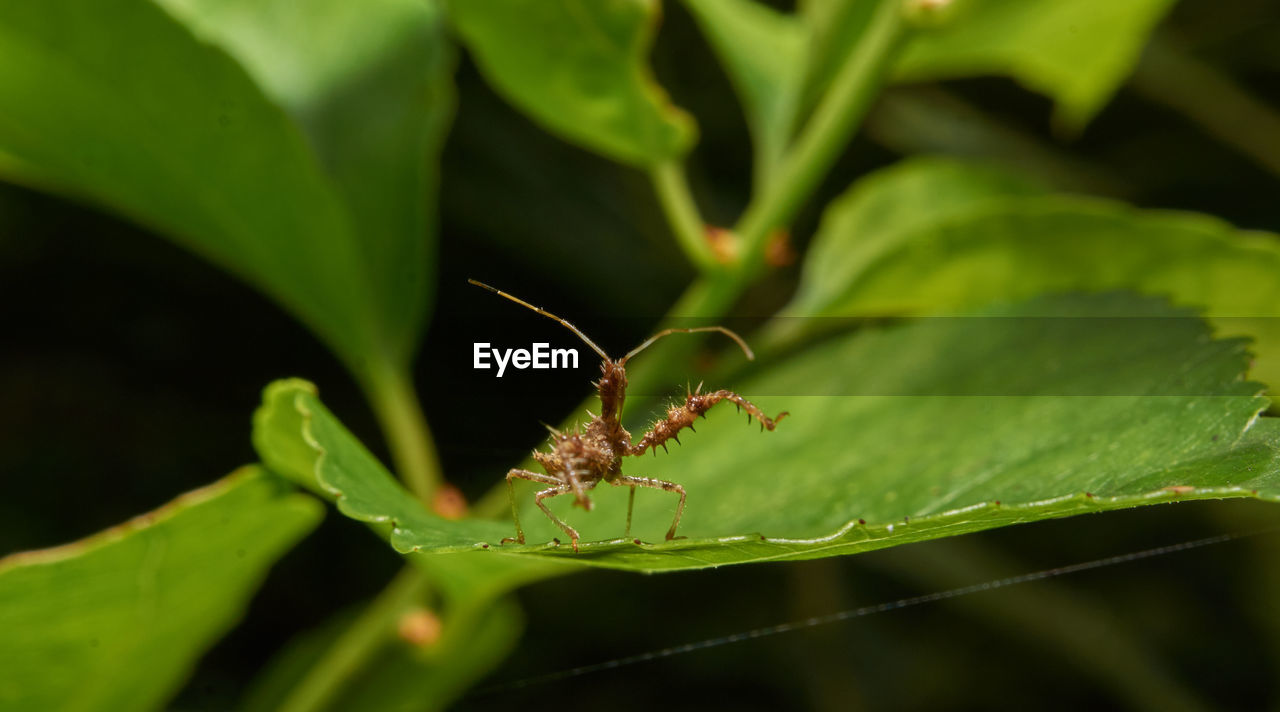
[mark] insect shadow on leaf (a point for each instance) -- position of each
(580, 460)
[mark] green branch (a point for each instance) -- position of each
(820, 144)
(344, 659)
(413, 451)
(1211, 99)
(677, 202)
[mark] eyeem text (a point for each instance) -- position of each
(540, 356)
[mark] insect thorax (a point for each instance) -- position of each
(592, 457)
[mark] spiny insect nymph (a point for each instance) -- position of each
(580, 460)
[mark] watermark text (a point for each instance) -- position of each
(541, 356)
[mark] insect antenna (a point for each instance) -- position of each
(667, 332)
(546, 313)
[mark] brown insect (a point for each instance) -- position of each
(579, 461)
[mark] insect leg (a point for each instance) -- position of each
(657, 484)
(631, 504)
(559, 489)
(766, 423)
(696, 404)
(511, 494)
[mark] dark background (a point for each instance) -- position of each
(130, 369)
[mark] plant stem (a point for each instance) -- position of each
(672, 188)
(835, 120)
(349, 653)
(1211, 99)
(827, 132)
(413, 451)
(391, 393)
(932, 120)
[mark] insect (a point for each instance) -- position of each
(580, 460)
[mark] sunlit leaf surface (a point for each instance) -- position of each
(964, 236)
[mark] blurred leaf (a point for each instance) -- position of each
(932, 120)
(782, 64)
(370, 85)
(398, 677)
(116, 621)
(909, 241)
(1212, 99)
(763, 51)
(118, 103)
(1075, 51)
(935, 428)
(835, 27)
(887, 210)
(401, 679)
(579, 69)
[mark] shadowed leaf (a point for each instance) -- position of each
(763, 51)
(305, 176)
(579, 69)
(369, 84)
(116, 621)
(1075, 51)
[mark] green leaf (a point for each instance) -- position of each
(578, 68)
(930, 237)
(1075, 51)
(782, 64)
(116, 621)
(370, 85)
(318, 203)
(763, 51)
(887, 210)
(935, 428)
(298, 438)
